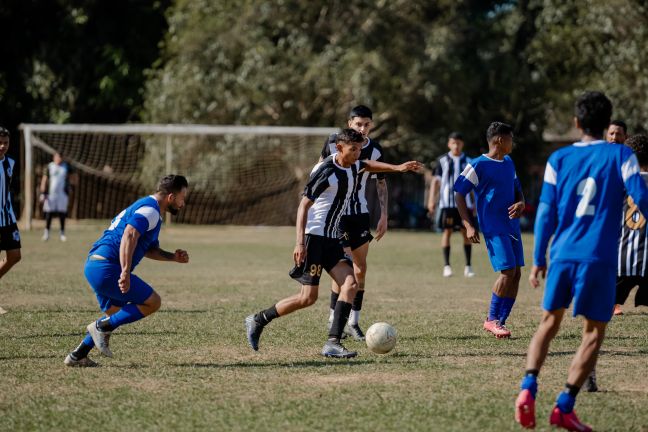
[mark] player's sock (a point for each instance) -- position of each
(468, 253)
(530, 382)
(446, 255)
(334, 299)
(341, 316)
(84, 348)
(567, 398)
(506, 307)
(495, 307)
(356, 306)
(127, 314)
(265, 316)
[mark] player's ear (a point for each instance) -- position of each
(577, 124)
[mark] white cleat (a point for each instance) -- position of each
(63, 238)
(45, 236)
(100, 338)
(2, 311)
(447, 271)
(84, 362)
(468, 272)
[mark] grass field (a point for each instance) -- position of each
(188, 367)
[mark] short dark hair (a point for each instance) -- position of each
(593, 110)
(639, 144)
(455, 135)
(497, 129)
(361, 111)
(349, 136)
(172, 183)
(4, 132)
(621, 124)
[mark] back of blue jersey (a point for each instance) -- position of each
(144, 215)
(584, 188)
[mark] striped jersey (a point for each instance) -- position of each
(447, 169)
(370, 151)
(331, 187)
(7, 215)
(633, 246)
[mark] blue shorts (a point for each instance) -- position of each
(591, 285)
(505, 251)
(103, 275)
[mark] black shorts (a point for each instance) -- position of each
(354, 230)
(624, 285)
(322, 253)
(451, 219)
(9, 237)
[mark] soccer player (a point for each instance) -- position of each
(617, 132)
(447, 170)
(499, 205)
(355, 224)
(122, 296)
(326, 197)
(54, 188)
(580, 206)
(9, 234)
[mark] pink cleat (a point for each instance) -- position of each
(498, 330)
(525, 410)
(567, 421)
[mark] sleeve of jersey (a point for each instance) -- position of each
(466, 181)
(438, 169)
(144, 219)
(546, 216)
(317, 184)
(634, 184)
(380, 158)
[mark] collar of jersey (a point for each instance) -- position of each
(585, 144)
(338, 165)
(494, 160)
(368, 142)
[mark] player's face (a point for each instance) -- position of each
(348, 153)
(455, 146)
(4, 145)
(57, 159)
(362, 125)
(615, 134)
(176, 201)
(506, 143)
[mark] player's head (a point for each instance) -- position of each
(593, 112)
(57, 158)
(4, 141)
(455, 143)
(361, 120)
(500, 135)
(173, 189)
(639, 145)
(349, 144)
(617, 132)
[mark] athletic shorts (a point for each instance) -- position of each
(103, 275)
(505, 251)
(591, 285)
(624, 285)
(354, 230)
(9, 237)
(56, 204)
(322, 253)
(449, 218)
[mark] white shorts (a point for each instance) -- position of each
(56, 204)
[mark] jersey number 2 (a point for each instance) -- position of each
(587, 191)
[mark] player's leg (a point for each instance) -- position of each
(12, 258)
(62, 216)
(48, 225)
(467, 244)
(445, 248)
(359, 255)
(511, 286)
(342, 273)
(79, 356)
(624, 285)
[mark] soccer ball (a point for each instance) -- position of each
(381, 338)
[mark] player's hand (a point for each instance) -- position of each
(411, 166)
(299, 254)
(181, 256)
(432, 210)
(42, 197)
(381, 228)
(515, 211)
(535, 272)
(124, 281)
(472, 234)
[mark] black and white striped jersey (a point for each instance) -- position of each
(447, 169)
(370, 151)
(7, 216)
(633, 245)
(331, 187)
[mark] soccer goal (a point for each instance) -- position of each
(243, 175)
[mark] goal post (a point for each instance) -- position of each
(244, 175)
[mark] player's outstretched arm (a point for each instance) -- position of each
(376, 166)
(180, 256)
(471, 232)
(299, 253)
(126, 249)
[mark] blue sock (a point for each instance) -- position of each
(128, 314)
(495, 307)
(565, 402)
(530, 382)
(505, 311)
(87, 341)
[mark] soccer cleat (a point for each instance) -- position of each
(63, 238)
(590, 382)
(617, 310)
(468, 272)
(100, 338)
(2, 311)
(337, 350)
(45, 236)
(525, 409)
(498, 331)
(354, 331)
(253, 329)
(84, 362)
(567, 421)
(447, 271)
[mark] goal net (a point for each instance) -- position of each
(239, 175)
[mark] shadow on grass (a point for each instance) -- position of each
(271, 364)
(30, 357)
(80, 334)
(84, 311)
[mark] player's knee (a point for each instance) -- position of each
(154, 302)
(509, 274)
(307, 299)
(360, 270)
(14, 258)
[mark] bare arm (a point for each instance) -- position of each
(381, 187)
(375, 166)
(126, 249)
(471, 232)
(158, 254)
(43, 185)
(515, 210)
(299, 254)
(433, 198)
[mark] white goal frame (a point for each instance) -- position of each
(168, 130)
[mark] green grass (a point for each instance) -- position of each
(188, 367)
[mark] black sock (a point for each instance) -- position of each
(340, 317)
(357, 301)
(265, 316)
(533, 372)
(446, 255)
(81, 351)
(104, 324)
(572, 389)
(334, 297)
(468, 253)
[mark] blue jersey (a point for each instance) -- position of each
(144, 215)
(582, 202)
(496, 184)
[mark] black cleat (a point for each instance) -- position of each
(354, 331)
(337, 350)
(590, 383)
(254, 330)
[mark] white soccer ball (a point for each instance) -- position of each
(381, 338)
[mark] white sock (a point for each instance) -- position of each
(354, 317)
(331, 313)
